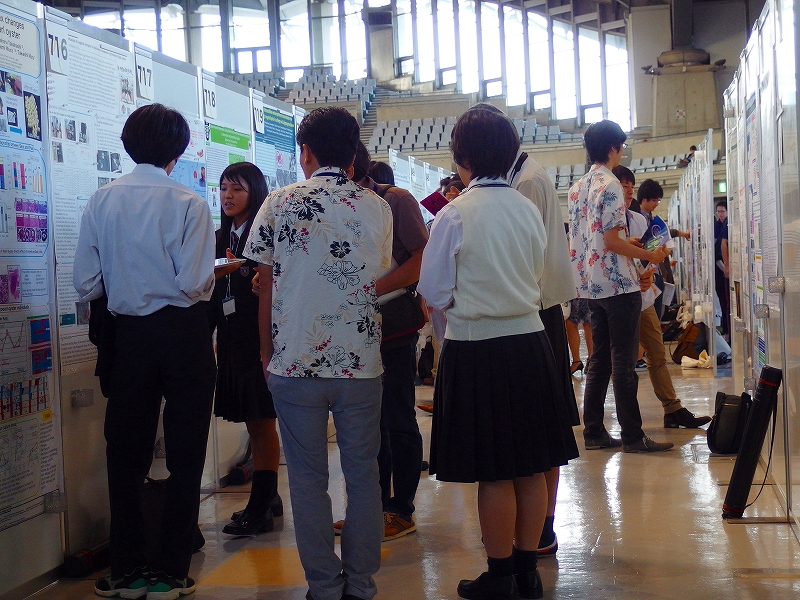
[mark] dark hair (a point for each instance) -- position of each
(721, 202)
(487, 106)
(381, 172)
(452, 180)
(361, 162)
(332, 135)
(624, 174)
(249, 176)
(649, 190)
(155, 135)
(693, 148)
(600, 138)
(485, 142)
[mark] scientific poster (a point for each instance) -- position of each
(91, 88)
(190, 170)
(224, 146)
(275, 148)
(402, 169)
(30, 438)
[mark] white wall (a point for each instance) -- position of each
(649, 34)
(721, 37)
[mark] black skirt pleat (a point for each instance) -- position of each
(499, 411)
(553, 319)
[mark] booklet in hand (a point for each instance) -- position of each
(434, 203)
(657, 235)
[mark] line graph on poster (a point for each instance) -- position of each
(14, 349)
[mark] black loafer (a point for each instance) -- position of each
(529, 585)
(488, 588)
(683, 418)
(275, 505)
(249, 524)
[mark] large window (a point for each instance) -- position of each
(617, 82)
(140, 27)
(251, 41)
(469, 47)
(405, 37)
(564, 61)
(591, 75)
(490, 41)
(446, 27)
(515, 56)
(295, 46)
(210, 35)
(325, 39)
(576, 68)
(427, 64)
(539, 52)
(355, 39)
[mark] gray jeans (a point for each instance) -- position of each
(302, 405)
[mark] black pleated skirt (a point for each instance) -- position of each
(499, 410)
(242, 394)
(553, 320)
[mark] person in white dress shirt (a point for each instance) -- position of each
(147, 243)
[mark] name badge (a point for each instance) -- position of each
(229, 306)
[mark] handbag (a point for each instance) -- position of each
(402, 316)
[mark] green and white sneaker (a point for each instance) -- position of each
(163, 587)
(133, 585)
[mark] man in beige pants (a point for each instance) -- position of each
(650, 338)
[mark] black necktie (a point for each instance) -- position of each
(234, 242)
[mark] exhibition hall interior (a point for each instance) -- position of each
(705, 92)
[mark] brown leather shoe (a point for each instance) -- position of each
(395, 527)
(426, 407)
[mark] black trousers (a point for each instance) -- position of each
(168, 353)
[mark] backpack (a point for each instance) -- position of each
(728, 424)
(691, 343)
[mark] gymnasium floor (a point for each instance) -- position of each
(629, 526)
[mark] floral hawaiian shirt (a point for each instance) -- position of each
(596, 205)
(326, 238)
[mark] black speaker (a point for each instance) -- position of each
(765, 402)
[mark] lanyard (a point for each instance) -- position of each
(486, 185)
(518, 166)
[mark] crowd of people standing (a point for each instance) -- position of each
(326, 257)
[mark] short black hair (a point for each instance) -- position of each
(361, 162)
(721, 202)
(485, 142)
(452, 180)
(600, 138)
(649, 190)
(155, 135)
(249, 176)
(381, 172)
(332, 135)
(624, 174)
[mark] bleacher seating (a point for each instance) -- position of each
(434, 134)
(663, 163)
(319, 86)
(269, 83)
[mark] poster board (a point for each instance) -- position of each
(31, 467)
(275, 148)
(228, 133)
